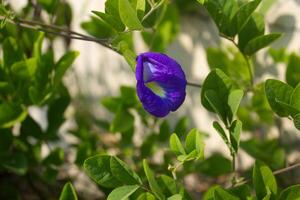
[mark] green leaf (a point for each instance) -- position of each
(288, 108)
(235, 132)
(232, 62)
(123, 192)
(63, 64)
(278, 91)
(175, 197)
(212, 98)
(279, 55)
(68, 192)
(295, 97)
(128, 54)
(221, 194)
(176, 146)
(24, 69)
(111, 20)
(123, 173)
(11, 113)
(17, 163)
(268, 195)
(167, 27)
(292, 74)
(128, 96)
(111, 103)
(221, 84)
(222, 13)
(243, 14)
(98, 28)
(63, 14)
(140, 8)
(234, 100)
(296, 119)
(55, 114)
(146, 196)
(112, 8)
(129, 16)
(255, 27)
(155, 188)
(194, 141)
(11, 52)
(6, 140)
(5, 87)
(222, 133)
(290, 193)
(263, 179)
(265, 6)
(168, 185)
(242, 191)
(181, 126)
(119, 124)
(164, 131)
(201, 1)
(209, 194)
(214, 166)
(260, 42)
(98, 168)
(268, 151)
(37, 47)
(56, 157)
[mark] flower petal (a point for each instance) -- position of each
(151, 102)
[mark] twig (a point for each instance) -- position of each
(277, 172)
(56, 30)
(194, 84)
(153, 8)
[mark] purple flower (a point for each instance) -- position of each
(161, 83)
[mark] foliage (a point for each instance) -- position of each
(31, 76)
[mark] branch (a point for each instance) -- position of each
(277, 172)
(56, 30)
(194, 84)
(67, 33)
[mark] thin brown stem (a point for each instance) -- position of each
(56, 30)
(194, 84)
(277, 172)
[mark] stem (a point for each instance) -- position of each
(155, 6)
(56, 30)
(234, 178)
(233, 163)
(251, 74)
(277, 172)
(194, 84)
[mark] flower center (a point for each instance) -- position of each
(156, 88)
(148, 70)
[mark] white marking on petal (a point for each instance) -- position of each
(148, 70)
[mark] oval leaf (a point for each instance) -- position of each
(68, 192)
(123, 192)
(152, 181)
(260, 42)
(129, 15)
(278, 91)
(123, 173)
(98, 168)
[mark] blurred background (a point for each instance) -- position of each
(99, 72)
